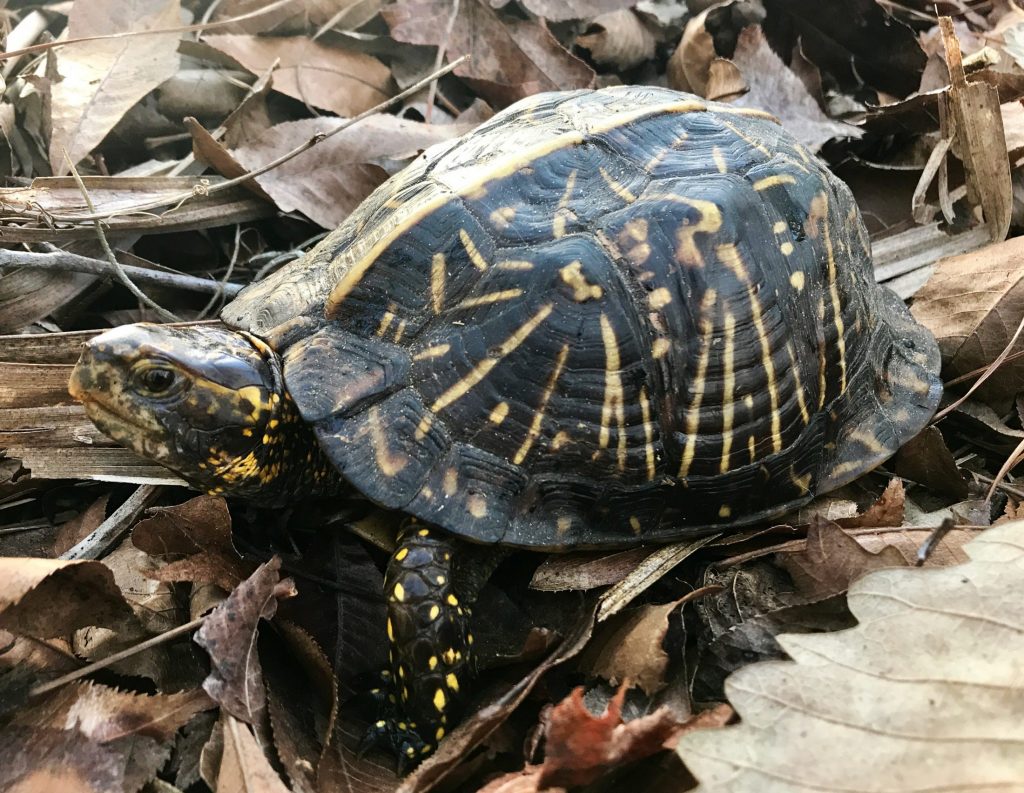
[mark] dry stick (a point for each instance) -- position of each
(121, 275)
(1015, 457)
(441, 51)
(103, 663)
(49, 45)
(991, 370)
(980, 370)
(65, 261)
(181, 198)
(115, 527)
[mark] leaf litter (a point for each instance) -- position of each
(214, 646)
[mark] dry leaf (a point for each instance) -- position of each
(831, 560)
(47, 597)
(619, 38)
(586, 570)
(243, 767)
(297, 17)
(924, 694)
(776, 89)
(342, 81)
(886, 511)
(978, 139)
(198, 530)
(229, 636)
(581, 748)
(629, 648)
(103, 78)
(973, 304)
(508, 62)
(332, 179)
(563, 10)
(81, 526)
(48, 761)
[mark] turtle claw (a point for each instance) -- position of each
(397, 737)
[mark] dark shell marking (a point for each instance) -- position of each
(602, 317)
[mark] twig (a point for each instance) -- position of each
(121, 275)
(65, 261)
(177, 200)
(441, 51)
(115, 527)
(103, 663)
(991, 370)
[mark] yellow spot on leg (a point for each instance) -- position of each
(452, 681)
(432, 663)
(399, 593)
(440, 701)
(435, 611)
(786, 248)
(391, 630)
(451, 482)
(452, 600)
(796, 280)
(401, 554)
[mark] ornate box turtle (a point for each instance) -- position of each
(600, 319)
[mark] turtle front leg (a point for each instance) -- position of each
(430, 642)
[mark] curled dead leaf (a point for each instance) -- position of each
(619, 38)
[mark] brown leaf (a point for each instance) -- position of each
(80, 526)
(329, 181)
(832, 560)
(47, 597)
(47, 761)
(886, 511)
(973, 304)
(207, 149)
(907, 541)
(297, 17)
(774, 88)
(586, 570)
(629, 648)
(342, 81)
(235, 681)
(564, 10)
(106, 714)
(507, 62)
(581, 747)
(243, 767)
(198, 530)
(927, 459)
(103, 78)
(619, 38)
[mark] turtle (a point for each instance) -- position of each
(603, 318)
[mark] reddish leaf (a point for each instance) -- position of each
(235, 681)
(886, 511)
(582, 747)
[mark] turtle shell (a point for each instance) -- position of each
(603, 317)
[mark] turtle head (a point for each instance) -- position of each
(206, 402)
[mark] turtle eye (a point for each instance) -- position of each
(157, 380)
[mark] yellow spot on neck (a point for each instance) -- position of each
(796, 280)
(435, 612)
(780, 226)
(786, 248)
